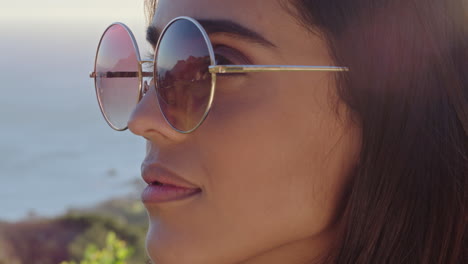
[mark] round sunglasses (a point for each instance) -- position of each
(184, 74)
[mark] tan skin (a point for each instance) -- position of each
(272, 158)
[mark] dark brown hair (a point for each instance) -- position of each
(408, 89)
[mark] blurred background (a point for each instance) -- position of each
(67, 179)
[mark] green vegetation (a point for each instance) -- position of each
(115, 252)
(98, 226)
(112, 230)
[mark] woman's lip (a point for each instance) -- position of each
(165, 193)
(155, 172)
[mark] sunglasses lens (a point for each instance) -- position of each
(117, 82)
(183, 80)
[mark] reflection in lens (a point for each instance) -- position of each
(183, 79)
(117, 76)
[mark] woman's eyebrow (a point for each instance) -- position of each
(218, 27)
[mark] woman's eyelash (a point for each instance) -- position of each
(149, 56)
(225, 55)
(222, 53)
(221, 60)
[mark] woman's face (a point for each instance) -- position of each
(272, 157)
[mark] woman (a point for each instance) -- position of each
(367, 165)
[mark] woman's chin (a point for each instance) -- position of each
(167, 247)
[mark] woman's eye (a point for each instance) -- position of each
(221, 60)
(149, 56)
(225, 55)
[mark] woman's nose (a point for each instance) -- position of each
(147, 120)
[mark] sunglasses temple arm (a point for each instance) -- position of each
(120, 74)
(268, 68)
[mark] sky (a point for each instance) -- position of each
(54, 140)
(85, 19)
(71, 9)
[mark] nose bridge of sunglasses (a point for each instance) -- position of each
(146, 61)
(121, 74)
(146, 73)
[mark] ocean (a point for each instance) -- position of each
(56, 151)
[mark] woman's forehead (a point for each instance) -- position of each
(269, 18)
(255, 13)
(224, 7)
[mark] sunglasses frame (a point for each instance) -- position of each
(213, 69)
(140, 74)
